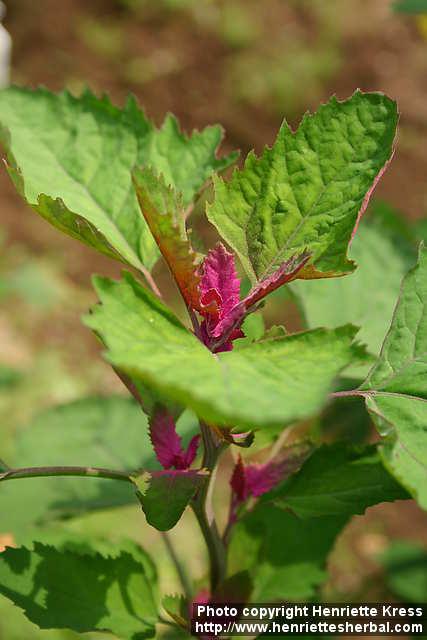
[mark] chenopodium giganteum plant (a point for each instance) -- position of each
(219, 384)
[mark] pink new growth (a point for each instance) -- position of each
(254, 480)
(223, 310)
(220, 278)
(219, 295)
(167, 443)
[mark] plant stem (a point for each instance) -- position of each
(195, 323)
(180, 570)
(204, 512)
(353, 393)
(167, 622)
(45, 472)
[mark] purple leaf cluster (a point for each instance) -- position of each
(223, 311)
(253, 480)
(167, 443)
(219, 297)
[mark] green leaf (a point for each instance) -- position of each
(367, 297)
(402, 365)
(178, 609)
(163, 210)
(267, 384)
(402, 421)
(410, 6)
(165, 494)
(405, 565)
(83, 592)
(186, 162)
(308, 190)
(71, 159)
(337, 480)
(284, 555)
(396, 388)
(105, 432)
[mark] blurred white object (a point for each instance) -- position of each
(5, 50)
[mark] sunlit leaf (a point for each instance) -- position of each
(266, 384)
(71, 160)
(309, 190)
(397, 386)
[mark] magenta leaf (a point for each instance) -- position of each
(238, 481)
(190, 453)
(219, 335)
(167, 443)
(220, 295)
(262, 478)
(223, 311)
(220, 276)
(254, 480)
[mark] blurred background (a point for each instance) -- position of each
(246, 64)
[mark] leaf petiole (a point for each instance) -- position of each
(45, 472)
(352, 393)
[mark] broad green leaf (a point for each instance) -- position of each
(104, 432)
(163, 210)
(337, 480)
(71, 159)
(402, 365)
(405, 566)
(396, 388)
(284, 555)
(186, 162)
(410, 6)
(165, 494)
(267, 384)
(308, 191)
(403, 423)
(367, 297)
(82, 591)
